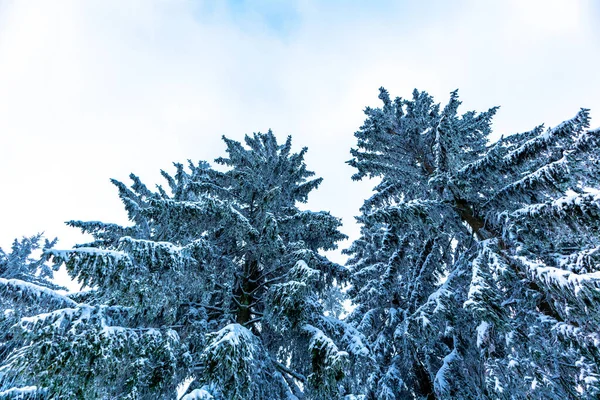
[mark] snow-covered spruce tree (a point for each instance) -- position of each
(219, 280)
(477, 271)
(26, 289)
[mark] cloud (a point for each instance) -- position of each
(97, 89)
(554, 17)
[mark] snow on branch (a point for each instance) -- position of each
(30, 291)
(74, 319)
(407, 212)
(351, 337)
(24, 392)
(484, 163)
(198, 394)
(577, 334)
(581, 261)
(60, 344)
(560, 278)
(92, 266)
(586, 204)
(155, 255)
(532, 146)
(303, 273)
(441, 384)
(487, 267)
(235, 360)
(328, 362)
(581, 291)
(548, 174)
(208, 210)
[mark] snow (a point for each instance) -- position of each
(547, 172)
(183, 387)
(560, 206)
(541, 139)
(569, 331)
(534, 384)
(590, 380)
(234, 335)
(441, 378)
(28, 323)
(168, 246)
(155, 253)
(527, 146)
(35, 291)
(92, 251)
(482, 333)
(83, 314)
(478, 284)
(198, 394)
(355, 343)
(562, 278)
(441, 292)
(19, 393)
(320, 341)
(352, 337)
(497, 385)
(302, 271)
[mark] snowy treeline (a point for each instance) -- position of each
(475, 275)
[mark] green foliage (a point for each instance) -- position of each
(215, 281)
(476, 262)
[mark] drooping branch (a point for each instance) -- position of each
(288, 371)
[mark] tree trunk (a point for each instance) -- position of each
(424, 384)
(245, 292)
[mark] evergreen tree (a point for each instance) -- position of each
(26, 289)
(218, 281)
(477, 271)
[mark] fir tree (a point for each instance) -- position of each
(477, 271)
(219, 280)
(26, 289)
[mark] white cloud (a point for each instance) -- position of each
(557, 17)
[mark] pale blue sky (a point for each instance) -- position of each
(96, 89)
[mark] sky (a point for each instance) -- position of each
(96, 89)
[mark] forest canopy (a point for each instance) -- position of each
(475, 276)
